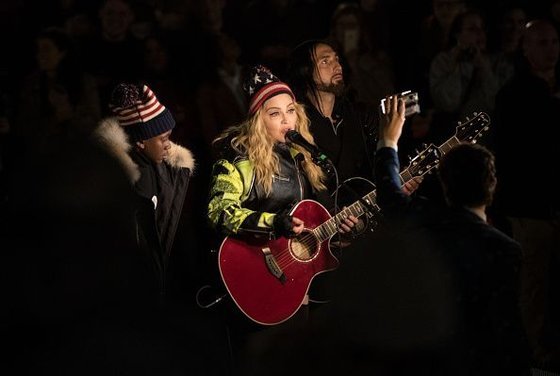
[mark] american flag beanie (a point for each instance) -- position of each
(139, 112)
(262, 85)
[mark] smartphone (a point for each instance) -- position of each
(411, 104)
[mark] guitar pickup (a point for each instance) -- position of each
(272, 265)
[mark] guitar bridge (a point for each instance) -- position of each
(272, 265)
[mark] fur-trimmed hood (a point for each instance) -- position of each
(111, 135)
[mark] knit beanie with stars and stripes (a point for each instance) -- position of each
(139, 112)
(262, 85)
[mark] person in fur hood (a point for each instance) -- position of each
(138, 136)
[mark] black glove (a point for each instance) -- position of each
(282, 225)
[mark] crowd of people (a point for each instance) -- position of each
(135, 136)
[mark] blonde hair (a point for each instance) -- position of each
(252, 138)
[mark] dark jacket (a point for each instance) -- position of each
(481, 330)
(349, 143)
(160, 194)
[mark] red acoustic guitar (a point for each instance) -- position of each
(269, 279)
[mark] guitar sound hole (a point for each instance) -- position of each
(304, 246)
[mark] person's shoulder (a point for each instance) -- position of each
(501, 238)
(494, 241)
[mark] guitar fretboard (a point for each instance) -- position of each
(448, 145)
(357, 209)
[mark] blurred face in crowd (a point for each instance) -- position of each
(540, 46)
(212, 14)
(347, 31)
(156, 148)
(472, 33)
(48, 55)
(445, 11)
(368, 5)
(279, 116)
(328, 71)
(515, 20)
(116, 18)
(512, 28)
(155, 55)
(230, 49)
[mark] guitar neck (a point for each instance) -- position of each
(357, 209)
(448, 145)
(368, 203)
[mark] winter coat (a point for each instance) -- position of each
(160, 193)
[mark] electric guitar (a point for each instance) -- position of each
(269, 279)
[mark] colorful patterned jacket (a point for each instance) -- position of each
(237, 205)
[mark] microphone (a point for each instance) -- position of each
(316, 155)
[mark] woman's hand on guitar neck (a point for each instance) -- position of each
(347, 224)
(346, 229)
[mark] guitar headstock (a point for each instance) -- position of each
(423, 163)
(473, 128)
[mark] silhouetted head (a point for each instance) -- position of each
(468, 176)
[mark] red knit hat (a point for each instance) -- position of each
(139, 112)
(262, 85)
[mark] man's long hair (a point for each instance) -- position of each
(302, 66)
(251, 138)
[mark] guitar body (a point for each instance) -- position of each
(268, 279)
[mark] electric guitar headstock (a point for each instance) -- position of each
(422, 163)
(469, 130)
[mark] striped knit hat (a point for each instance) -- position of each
(262, 85)
(139, 112)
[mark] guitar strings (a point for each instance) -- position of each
(311, 239)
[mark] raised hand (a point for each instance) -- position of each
(392, 121)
